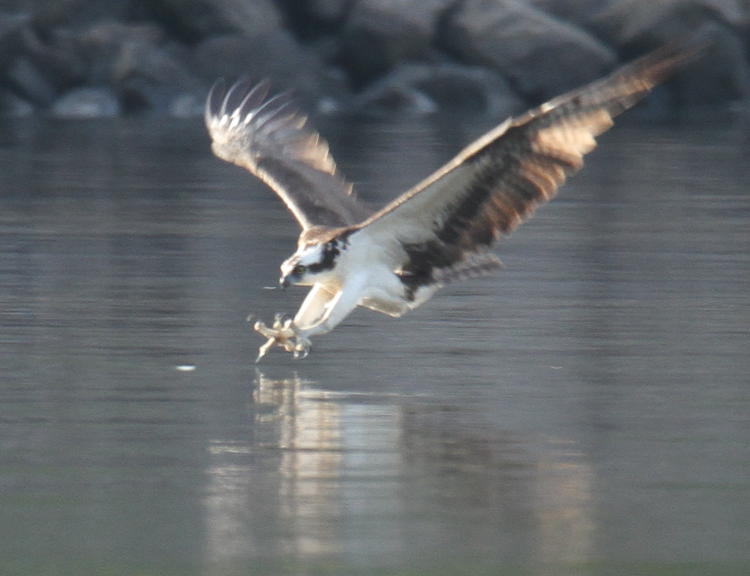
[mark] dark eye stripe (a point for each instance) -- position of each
(330, 253)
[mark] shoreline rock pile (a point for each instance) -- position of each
(87, 58)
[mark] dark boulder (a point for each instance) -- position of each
(49, 15)
(34, 65)
(162, 55)
(13, 27)
(12, 106)
(577, 12)
(540, 55)
(146, 70)
(192, 21)
(638, 24)
(722, 74)
(426, 88)
(87, 102)
(55, 55)
(312, 19)
(27, 81)
(326, 11)
(104, 44)
(380, 34)
(274, 55)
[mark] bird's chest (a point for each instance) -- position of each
(363, 265)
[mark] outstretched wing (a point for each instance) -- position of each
(268, 137)
(495, 183)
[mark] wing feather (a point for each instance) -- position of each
(268, 137)
(498, 181)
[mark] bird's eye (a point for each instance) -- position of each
(299, 270)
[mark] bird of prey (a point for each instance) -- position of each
(394, 259)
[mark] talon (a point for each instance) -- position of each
(284, 334)
(282, 320)
(301, 347)
(301, 354)
(264, 330)
(287, 345)
(263, 350)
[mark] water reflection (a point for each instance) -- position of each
(377, 478)
(539, 418)
(491, 478)
(565, 515)
(308, 431)
(300, 435)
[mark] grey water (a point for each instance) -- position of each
(586, 410)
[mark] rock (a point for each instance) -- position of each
(14, 107)
(637, 24)
(103, 43)
(187, 105)
(195, 20)
(17, 71)
(329, 11)
(161, 55)
(425, 88)
(146, 71)
(87, 102)
(50, 15)
(382, 33)
(576, 12)
(12, 29)
(540, 55)
(275, 55)
(27, 80)
(162, 64)
(386, 96)
(315, 18)
(151, 79)
(722, 74)
(55, 55)
(37, 65)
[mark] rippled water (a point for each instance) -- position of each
(584, 411)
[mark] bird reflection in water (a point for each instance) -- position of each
(276, 493)
(325, 475)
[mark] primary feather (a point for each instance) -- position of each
(498, 181)
(268, 137)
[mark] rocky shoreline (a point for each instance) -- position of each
(89, 58)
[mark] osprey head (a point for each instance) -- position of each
(309, 263)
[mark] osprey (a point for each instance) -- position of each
(394, 259)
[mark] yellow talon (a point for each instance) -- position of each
(283, 334)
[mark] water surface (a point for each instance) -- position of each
(584, 411)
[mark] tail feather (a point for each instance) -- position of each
(474, 267)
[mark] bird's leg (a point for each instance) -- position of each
(286, 333)
(314, 305)
(334, 311)
(263, 350)
(281, 333)
(321, 311)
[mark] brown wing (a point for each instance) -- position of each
(499, 180)
(268, 137)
